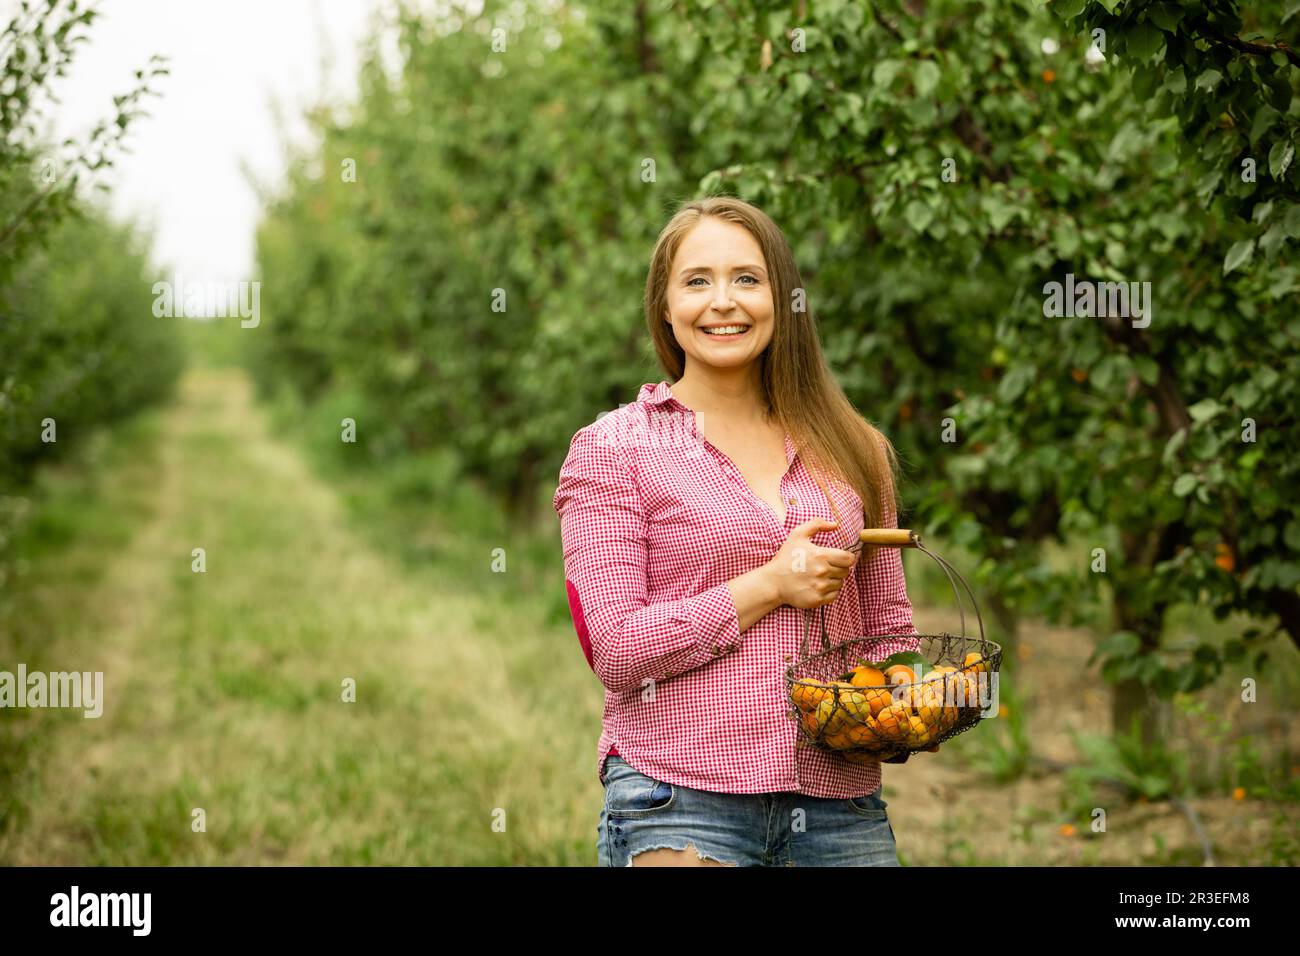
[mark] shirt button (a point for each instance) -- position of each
(793, 501)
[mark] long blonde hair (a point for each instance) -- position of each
(796, 384)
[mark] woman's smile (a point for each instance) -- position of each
(726, 333)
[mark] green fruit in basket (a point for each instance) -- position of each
(854, 702)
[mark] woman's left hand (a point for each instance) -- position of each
(903, 757)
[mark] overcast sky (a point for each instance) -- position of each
(229, 59)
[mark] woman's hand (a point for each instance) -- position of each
(806, 575)
(903, 758)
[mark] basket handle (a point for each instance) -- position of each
(898, 538)
(889, 537)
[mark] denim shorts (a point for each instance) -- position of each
(744, 829)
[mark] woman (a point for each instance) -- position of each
(700, 524)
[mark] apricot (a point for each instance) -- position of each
(868, 677)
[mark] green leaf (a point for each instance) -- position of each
(1176, 441)
(1119, 644)
(926, 78)
(1143, 41)
(1246, 394)
(912, 659)
(1279, 158)
(1264, 119)
(1184, 485)
(1014, 383)
(1165, 16)
(919, 215)
(1065, 236)
(1207, 184)
(1291, 222)
(1204, 410)
(1273, 239)
(1147, 369)
(1239, 253)
(999, 211)
(884, 72)
(1292, 535)
(1208, 80)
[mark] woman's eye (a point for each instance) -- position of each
(701, 279)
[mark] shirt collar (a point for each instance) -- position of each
(660, 394)
(652, 394)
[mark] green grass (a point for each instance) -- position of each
(224, 689)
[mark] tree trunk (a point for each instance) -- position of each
(1130, 699)
(1005, 630)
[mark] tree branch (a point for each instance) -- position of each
(1245, 46)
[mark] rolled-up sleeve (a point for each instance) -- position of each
(886, 608)
(603, 530)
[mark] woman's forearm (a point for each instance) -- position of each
(755, 595)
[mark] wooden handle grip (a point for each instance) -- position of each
(889, 537)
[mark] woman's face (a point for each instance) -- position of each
(719, 279)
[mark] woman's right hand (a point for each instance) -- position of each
(806, 575)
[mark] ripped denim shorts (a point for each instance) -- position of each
(740, 829)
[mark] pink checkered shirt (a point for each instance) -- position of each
(655, 521)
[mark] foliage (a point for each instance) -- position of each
(936, 167)
(79, 345)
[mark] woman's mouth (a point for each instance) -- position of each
(726, 332)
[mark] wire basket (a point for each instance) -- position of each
(846, 703)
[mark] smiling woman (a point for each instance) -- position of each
(690, 563)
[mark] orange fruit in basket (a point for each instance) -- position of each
(807, 693)
(862, 735)
(976, 660)
(878, 700)
(893, 722)
(979, 690)
(838, 741)
(931, 707)
(972, 689)
(949, 715)
(953, 691)
(914, 697)
(864, 676)
(814, 721)
(900, 674)
(918, 734)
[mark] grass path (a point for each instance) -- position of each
(223, 689)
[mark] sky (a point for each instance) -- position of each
(229, 61)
